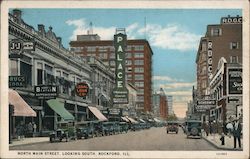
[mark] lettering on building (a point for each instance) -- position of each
(209, 59)
(120, 92)
(231, 20)
(234, 81)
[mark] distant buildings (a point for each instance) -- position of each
(160, 104)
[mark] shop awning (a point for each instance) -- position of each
(141, 120)
(157, 120)
(125, 119)
(98, 114)
(58, 107)
(132, 120)
(21, 108)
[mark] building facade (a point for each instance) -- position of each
(138, 63)
(221, 40)
(48, 65)
(219, 50)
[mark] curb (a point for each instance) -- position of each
(25, 144)
(219, 147)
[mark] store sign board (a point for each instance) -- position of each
(204, 105)
(46, 91)
(231, 20)
(29, 46)
(15, 48)
(17, 81)
(234, 76)
(82, 89)
(120, 92)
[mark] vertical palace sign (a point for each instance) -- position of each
(120, 92)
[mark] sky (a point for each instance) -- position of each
(173, 35)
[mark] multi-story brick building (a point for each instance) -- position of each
(221, 40)
(219, 49)
(138, 62)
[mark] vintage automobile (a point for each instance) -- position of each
(123, 127)
(66, 130)
(108, 128)
(193, 128)
(85, 129)
(172, 126)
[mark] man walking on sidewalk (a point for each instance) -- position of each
(237, 132)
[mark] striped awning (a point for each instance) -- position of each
(21, 108)
(97, 114)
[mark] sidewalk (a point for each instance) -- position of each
(214, 139)
(27, 141)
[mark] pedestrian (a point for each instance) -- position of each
(34, 128)
(30, 129)
(206, 128)
(237, 128)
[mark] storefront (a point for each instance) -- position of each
(21, 115)
(96, 114)
(59, 113)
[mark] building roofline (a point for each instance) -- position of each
(111, 41)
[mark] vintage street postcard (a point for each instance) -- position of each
(124, 79)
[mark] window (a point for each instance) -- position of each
(234, 45)
(128, 62)
(138, 55)
(128, 48)
(129, 69)
(139, 84)
(128, 55)
(139, 62)
(140, 91)
(102, 49)
(103, 55)
(140, 98)
(112, 63)
(65, 75)
(26, 71)
(58, 73)
(112, 55)
(204, 84)
(39, 76)
(139, 69)
(204, 46)
(91, 49)
(138, 47)
(233, 59)
(129, 76)
(139, 77)
(216, 32)
(13, 68)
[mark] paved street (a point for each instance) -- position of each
(152, 139)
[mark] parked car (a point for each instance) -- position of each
(172, 126)
(108, 128)
(124, 127)
(66, 130)
(85, 129)
(193, 128)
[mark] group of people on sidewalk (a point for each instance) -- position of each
(25, 130)
(233, 128)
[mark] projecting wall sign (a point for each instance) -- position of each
(120, 92)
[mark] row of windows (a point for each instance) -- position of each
(232, 46)
(106, 48)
